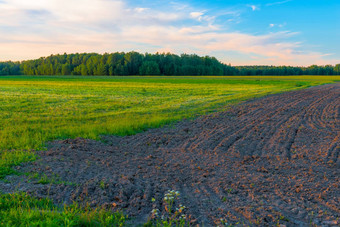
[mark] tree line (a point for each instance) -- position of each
(134, 63)
(10, 68)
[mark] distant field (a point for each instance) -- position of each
(36, 109)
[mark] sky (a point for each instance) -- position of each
(236, 32)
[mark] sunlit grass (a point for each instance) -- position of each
(38, 109)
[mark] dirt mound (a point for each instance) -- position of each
(267, 161)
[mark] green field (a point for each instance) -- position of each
(37, 109)
(34, 110)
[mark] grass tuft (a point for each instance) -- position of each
(8, 159)
(23, 210)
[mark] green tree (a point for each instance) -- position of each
(101, 70)
(133, 61)
(337, 69)
(149, 68)
(83, 70)
(66, 70)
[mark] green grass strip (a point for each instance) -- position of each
(23, 210)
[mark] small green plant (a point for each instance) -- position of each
(229, 190)
(172, 216)
(44, 180)
(283, 218)
(102, 184)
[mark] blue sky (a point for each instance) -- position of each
(270, 32)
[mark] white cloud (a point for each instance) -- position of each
(197, 15)
(201, 17)
(278, 3)
(140, 10)
(40, 28)
(277, 25)
(69, 10)
(254, 7)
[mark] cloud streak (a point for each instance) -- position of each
(40, 28)
(278, 3)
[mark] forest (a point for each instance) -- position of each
(134, 63)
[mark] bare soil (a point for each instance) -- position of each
(273, 160)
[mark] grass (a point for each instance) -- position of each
(39, 109)
(13, 158)
(22, 210)
(42, 178)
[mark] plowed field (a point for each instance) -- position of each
(266, 161)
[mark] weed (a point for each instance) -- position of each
(44, 179)
(283, 218)
(229, 190)
(102, 184)
(173, 216)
